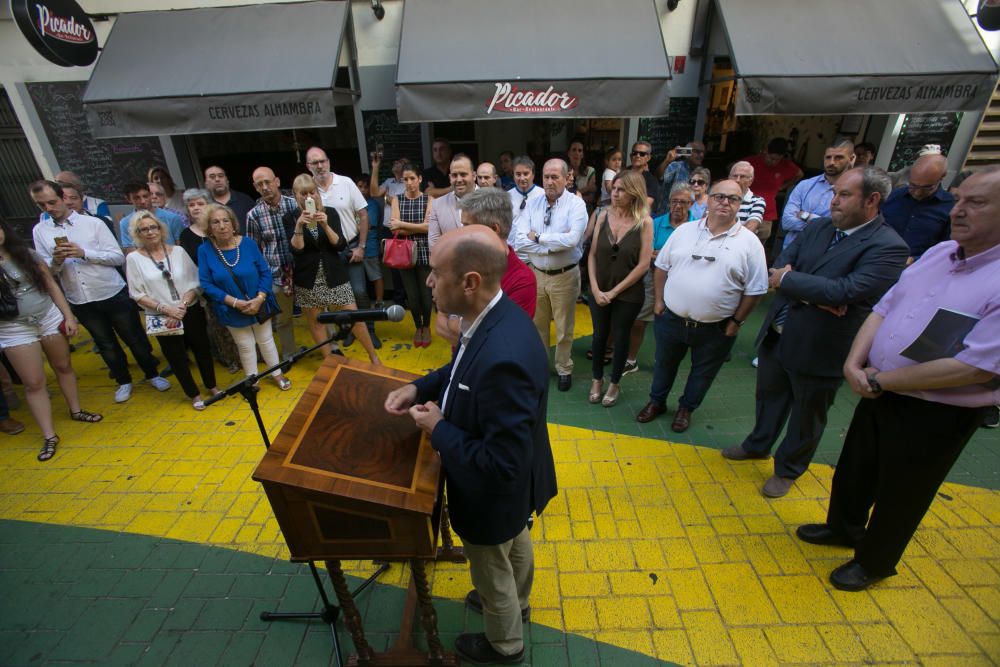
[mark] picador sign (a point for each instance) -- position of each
(58, 29)
(511, 99)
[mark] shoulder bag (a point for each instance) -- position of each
(399, 253)
(268, 309)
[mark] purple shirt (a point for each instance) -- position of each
(941, 280)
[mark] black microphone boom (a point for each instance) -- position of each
(346, 317)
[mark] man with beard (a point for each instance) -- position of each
(217, 183)
(810, 199)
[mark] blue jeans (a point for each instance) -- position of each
(117, 315)
(709, 347)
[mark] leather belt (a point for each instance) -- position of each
(694, 324)
(555, 272)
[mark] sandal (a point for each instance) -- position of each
(84, 416)
(48, 448)
(284, 383)
(595, 395)
(198, 404)
(609, 401)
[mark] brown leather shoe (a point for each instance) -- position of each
(681, 420)
(776, 487)
(11, 426)
(650, 412)
(737, 453)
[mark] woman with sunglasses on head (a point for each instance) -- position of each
(407, 219)
(700, 181)
(43, 316)
(619, 258)
(163, 280)
(230, 269)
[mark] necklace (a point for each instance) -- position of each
(223, 257)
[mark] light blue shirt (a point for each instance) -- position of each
(811, 196)
(174, 222)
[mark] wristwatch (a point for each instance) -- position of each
(739, 323)
(873, 383)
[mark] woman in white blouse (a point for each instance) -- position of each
(163, 280)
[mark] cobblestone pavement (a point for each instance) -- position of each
(145, 541)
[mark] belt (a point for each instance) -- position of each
(555, 272)
(694, 324)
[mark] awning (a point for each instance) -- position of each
(462, 60)
(256, 67)
(856, 56)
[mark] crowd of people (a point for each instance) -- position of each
(889, 287)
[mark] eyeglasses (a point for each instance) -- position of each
(704, 257)
(912, 186)
(146, 230)
(680, 202)
(697, 181)
(166, 276)
(719, 198)
(316, 163)
(639, 153)
(548, 215)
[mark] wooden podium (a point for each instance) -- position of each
(346, 480)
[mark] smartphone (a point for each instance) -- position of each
(310, 205)
(379, 148)
(684, 151)
(61, 240)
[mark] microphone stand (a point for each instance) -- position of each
(247, 388)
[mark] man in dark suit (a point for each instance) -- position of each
(485, 413)
(827, 283)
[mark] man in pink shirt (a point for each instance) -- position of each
(926, 361)
(772, 172)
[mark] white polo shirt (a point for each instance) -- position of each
(344, 196)
(707, 290)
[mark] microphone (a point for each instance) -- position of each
(346, 317)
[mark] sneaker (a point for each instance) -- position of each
(123, 393)
(991, 418)
(753, 362)
(159, 383)
(11, 426)
(630, 367)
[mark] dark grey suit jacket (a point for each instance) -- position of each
(856, 272)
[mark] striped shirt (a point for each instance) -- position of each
(752, 208)
(265, 227)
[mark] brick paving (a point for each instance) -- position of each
(144, 541)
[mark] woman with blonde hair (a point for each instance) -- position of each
(619, 258)
(163, 280)
(231, 269)
(319, 269)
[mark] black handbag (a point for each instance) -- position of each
(8, 300)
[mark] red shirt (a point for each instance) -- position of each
(767, 180)
(519, 284)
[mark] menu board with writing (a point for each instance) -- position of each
(104, 165)
(674, 129)
(920, 129)
(399, 140)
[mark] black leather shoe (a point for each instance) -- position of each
(565, 382)
(476, 648)
(475, 603)
(851, 576)
(820, 533)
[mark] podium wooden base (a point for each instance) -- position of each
(402, 653)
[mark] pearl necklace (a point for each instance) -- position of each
(223, 257)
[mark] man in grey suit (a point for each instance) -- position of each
(827, 282)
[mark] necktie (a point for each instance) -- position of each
(838, 236)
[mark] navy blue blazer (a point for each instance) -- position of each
(494, 441)
(854, 273)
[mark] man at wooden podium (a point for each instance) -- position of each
(485, 413)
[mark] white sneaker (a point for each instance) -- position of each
(753, 362)
(123, 393)
(160, 384)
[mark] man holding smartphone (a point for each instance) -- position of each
(676, 168)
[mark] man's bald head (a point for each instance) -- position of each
(475, 249)
(267, 185)
(926, 175)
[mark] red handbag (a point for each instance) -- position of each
(399, 253)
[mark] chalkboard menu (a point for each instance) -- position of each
(920, 129)
(104, 165)
(399, 140)
(674, 129)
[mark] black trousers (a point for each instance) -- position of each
(898, 451)
(175, 350)
(615, 318)
(785, 395)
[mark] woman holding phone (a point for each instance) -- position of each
(37, 328)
